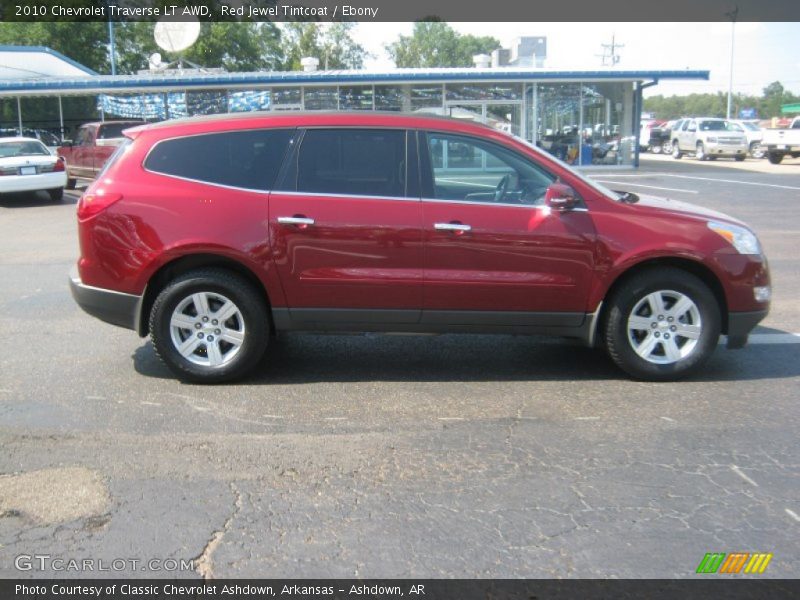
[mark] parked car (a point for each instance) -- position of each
(210, 234)
(48, 138)
(709, 139)
(94, 143)
(651, 135)
(777, 143)
(26, 165)
(754, 135)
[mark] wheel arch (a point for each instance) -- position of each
(697, 269)
(183, 264)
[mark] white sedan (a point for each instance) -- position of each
(26, 165)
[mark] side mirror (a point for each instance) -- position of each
(560, 197)
(692, 128)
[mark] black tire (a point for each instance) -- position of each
(56, 195)
(676, 150)
(700, 152)
(655, 148)
(71, 183)
(739, 158)
(217, 283)
(632, 293)
(775, 157)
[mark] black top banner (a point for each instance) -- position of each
(389, 589)
(401, 10)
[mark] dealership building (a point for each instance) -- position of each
(586, 117)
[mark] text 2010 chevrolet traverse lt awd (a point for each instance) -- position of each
(212, 234)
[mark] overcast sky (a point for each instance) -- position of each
(764, 52)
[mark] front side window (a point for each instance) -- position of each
(472, 170)
(356, 162)
(244, 159)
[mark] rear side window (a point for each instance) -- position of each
(357, 162)
(113, 130)
(244, 159)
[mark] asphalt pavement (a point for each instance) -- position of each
(396, 456)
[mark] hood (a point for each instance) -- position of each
(684, 209)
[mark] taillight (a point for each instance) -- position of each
(59, 166)
(91, 204)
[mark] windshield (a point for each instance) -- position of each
(27, 148)
(717, 126)
(590, 182)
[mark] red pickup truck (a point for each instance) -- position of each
(93, 145)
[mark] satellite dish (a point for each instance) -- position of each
(175, 36)
(155, 61)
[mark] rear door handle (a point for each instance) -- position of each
(298, 220)
(452, 227)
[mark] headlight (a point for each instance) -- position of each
(744, 240)
(712, 139)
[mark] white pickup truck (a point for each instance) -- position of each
(777, 143)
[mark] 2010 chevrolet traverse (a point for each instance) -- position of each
(211, 234)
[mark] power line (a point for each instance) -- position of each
(609, 55)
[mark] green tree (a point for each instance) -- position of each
(230, 45)
(436, 44)
(86, 43)
(332, 44)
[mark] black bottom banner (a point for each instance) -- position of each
(385, 589)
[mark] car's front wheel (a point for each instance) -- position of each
(676, 150)
(56, 194)
(700, 151)
(662, 324)
(209, 326)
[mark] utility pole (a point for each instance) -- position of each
(610, 52)
(732, 16)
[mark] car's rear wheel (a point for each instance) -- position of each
(756, 150)
(662, 324)
(676, 150)
(655, 148)
(71, 183)
(56, 195)
(209, 326)
(700, 151)
(739, 157)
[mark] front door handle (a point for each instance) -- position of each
(296, 220)
(454, 226)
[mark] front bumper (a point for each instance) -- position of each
(740, 324)
(112, 307)
(722, 149)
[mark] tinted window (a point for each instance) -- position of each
(245, 159)
(358, 162)
(114, 130)
(472, 170)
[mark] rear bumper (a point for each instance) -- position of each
(112, 307)
(740, 324)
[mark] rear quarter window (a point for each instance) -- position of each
(244, 159)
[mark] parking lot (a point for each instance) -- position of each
(399, 456)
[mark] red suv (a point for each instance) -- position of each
(212, 234)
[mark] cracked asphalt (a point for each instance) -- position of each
(396, 456)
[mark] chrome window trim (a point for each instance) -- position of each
(352, 196)
(505, 204)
